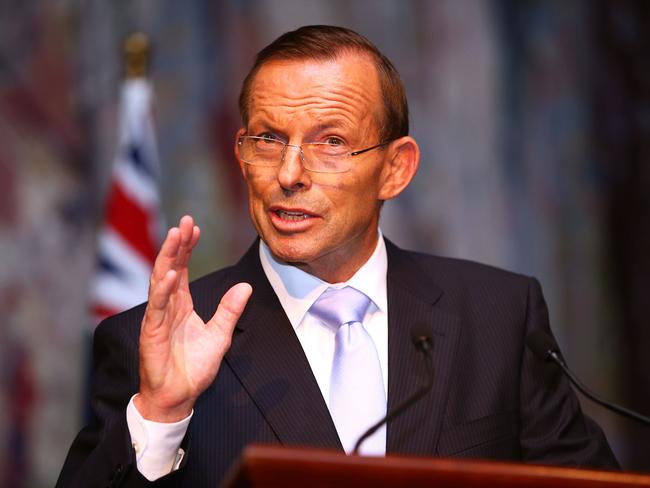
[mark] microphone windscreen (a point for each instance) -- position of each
(541, 344)
(421, 337)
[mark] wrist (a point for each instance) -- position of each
(153, 412)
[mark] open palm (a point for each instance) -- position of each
(179, 353)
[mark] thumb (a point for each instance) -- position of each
(231, 307)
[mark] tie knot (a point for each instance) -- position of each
(340, 306)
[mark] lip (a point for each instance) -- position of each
(304, 219)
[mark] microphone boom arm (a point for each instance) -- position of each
(423, 345)
(555, 357)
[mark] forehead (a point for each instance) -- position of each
(346, 87)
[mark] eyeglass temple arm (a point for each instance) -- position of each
(361, 151)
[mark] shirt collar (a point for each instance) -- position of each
(298, 290)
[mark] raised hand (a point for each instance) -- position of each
(179, 353)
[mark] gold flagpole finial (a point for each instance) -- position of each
(136, 50)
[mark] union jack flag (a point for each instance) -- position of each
(131, 232)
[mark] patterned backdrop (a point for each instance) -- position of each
(533, 119)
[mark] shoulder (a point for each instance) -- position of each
(462, 282)
(449, 269)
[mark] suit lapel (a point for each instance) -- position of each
(411, 300)
(268, 359)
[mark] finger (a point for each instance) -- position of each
(184, 255)
(186, 225)
(196, 235)
(176, 250)
(189, 239)
(167, 255)
(230, 308)
(159, 295)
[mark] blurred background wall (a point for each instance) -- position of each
(533, 117)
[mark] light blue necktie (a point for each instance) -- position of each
(357, 397)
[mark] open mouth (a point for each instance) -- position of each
(294, 216)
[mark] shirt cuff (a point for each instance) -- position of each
(156, 444)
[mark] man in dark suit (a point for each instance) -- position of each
(182, 385)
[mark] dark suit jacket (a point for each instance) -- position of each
(491, 398)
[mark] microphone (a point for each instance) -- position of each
(424, 345)
(545, 348)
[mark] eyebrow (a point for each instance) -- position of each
(267, 125)
(260, 128)
(340, 123)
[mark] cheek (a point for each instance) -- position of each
(329, 186)
(351, 203)
(258, 183)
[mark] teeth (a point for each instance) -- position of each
(287, 215)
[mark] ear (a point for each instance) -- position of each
(401, 164)
(242, 165)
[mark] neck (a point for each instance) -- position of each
(340, 265)
(335, 273)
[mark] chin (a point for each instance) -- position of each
(290, 252)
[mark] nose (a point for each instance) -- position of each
(291, 174)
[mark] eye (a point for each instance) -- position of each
(268, 137)
(330, 146)
(334, 141)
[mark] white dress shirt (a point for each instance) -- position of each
(157, 445)
(297, 292)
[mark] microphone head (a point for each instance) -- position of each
(421, 337)
(541, 344)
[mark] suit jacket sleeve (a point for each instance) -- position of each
(102, 454)
(553, 428)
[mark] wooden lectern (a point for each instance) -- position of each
(311, 468)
